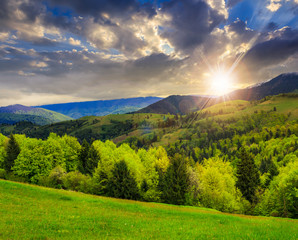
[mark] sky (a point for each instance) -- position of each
(54, 51)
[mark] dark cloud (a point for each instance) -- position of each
(271, 26)
(242, 31)
(161, 63)
(32, 9)
(115, 8)
(192, 21)
(129, 40)
(273, 51)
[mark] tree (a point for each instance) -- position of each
(217, 185)
(12, 152)
(122, 184)
(248, 177)
(175, 184)
(83, 157)
(34, 161)
(92, 160)
(280, 199)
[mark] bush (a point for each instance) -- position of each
(2, 173)
(75, 181)
(54, 179)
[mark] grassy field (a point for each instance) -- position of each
(31, 212)
(237, 108)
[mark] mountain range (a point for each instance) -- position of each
(283, 83)
(177, 104)
(101, 107)
(18, 113)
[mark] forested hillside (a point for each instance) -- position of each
(240, 157)
(18, 113)
(101, 107)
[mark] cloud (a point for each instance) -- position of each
(274, 5)
(74, 42)
(111, 8)
(283, 45)
(274, 53)
(107, 49)
(190, 22)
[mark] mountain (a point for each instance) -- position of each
(283, 83)
(118, 127)
(177, 104)
(101, 107)
(19, 113)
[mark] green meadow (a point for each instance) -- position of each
(31, 212)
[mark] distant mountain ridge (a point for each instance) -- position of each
(101, 107)
(177, 104)
(18, 113)
(283, 83)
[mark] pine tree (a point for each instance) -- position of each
(12, 152)
(122, 184)
(92, 160)
(176, 181)
(248, 177)
(83, 157)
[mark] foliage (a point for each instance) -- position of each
(280, 199)
(12, 152)
(92, 160)
(122, 183)
(175, 183)
(3, 140)
(210, 158)
(248, 177)
(55, 178)
(217, 186)
(83, 157)
(75, 181)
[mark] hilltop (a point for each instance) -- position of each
(177, 104)
(18, 113)
(101, 107)
(122, 126)
(283, 83)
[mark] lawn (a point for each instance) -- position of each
(31, 212)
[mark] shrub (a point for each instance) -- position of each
(54, 179)
(2, 173)
(75, 181)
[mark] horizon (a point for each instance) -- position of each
(162, 97)
(55, 52)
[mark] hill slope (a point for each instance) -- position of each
(31, 212)
(18, 113)
(121, 126)
(102, 107)
(283, 83)
(177, 104)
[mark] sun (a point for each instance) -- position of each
(221, 83)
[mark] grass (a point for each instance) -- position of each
(31, 212)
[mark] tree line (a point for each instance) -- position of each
(248, 173)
